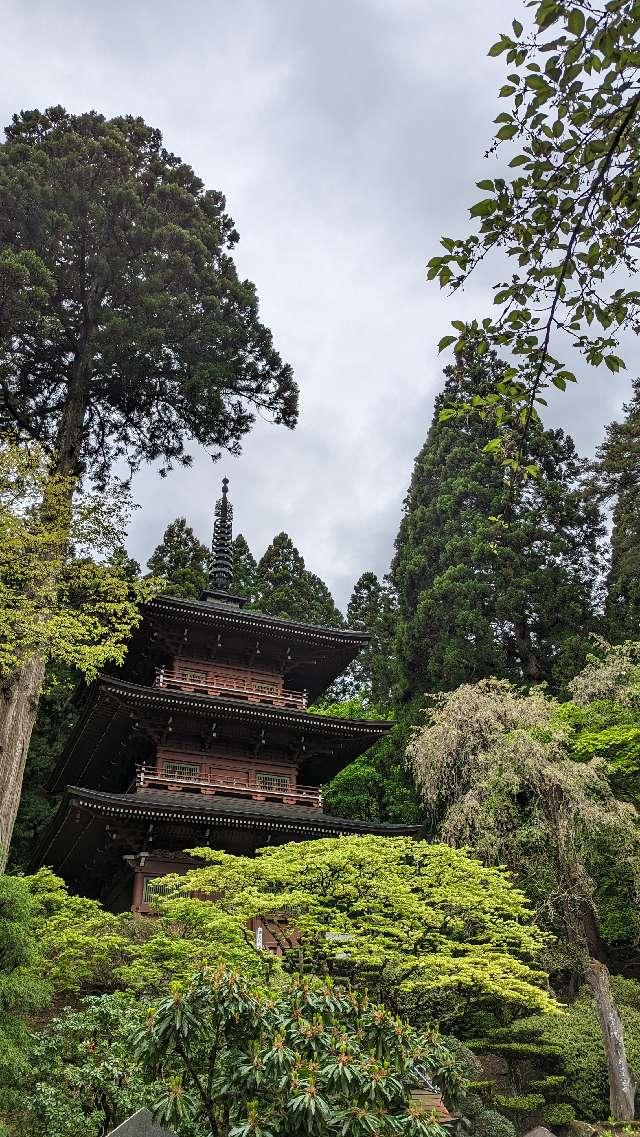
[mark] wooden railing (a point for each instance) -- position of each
(148, 777)
(230, 686)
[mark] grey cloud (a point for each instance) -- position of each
(347, 137)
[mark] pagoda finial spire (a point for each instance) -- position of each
(221, 548)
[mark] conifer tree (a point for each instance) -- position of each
(285, 588)
(477, 598)
(372, 608)
(182, 559)
(243, 582)
(125, 332)
(619, 472)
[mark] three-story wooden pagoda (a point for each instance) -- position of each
(205, 740)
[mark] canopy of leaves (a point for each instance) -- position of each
(474, 601)
(433, 932)
(65, 591)
(182, 560)
(377, 785)
(84, 948)
(82, 1078)
(125, 329)
(22, 988)
(567, 215)
(310, 1060)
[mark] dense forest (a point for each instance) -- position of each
(494, 955)
(504, 670)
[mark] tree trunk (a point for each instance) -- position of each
(18, 707)
(19, 700)
(526, 653)
(622, 1084)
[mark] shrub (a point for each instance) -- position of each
(310, 1059)
(558, 1113)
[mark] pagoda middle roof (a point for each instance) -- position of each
(112, 704)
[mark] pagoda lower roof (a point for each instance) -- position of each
(85, 816)
(111, 704)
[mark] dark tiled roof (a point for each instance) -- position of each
(256, 814)
(208, 705)
(110, 703)
(207, 611)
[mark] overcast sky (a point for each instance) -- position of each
(347, 136)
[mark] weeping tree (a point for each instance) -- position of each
(124, 329)
(493, 765)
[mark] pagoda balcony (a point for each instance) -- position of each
(268, 788)
(230, 686)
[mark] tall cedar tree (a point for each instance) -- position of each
(619, 472)
(182, 559)
(284, 587)
(373, 608)
(243, 581)
(376, 786)
(124, 328)
(476, 599)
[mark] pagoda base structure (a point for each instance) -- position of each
(204, 740)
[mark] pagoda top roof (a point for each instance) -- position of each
(218, 611)
(111, 704)
(314, 655)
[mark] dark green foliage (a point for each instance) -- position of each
(476, 599)
(182, 559)
(558, 1113)
(618, 471)
(377, 786)
(129, 329)
(285, 588)
(83, 1078)
(570, 1047)
(487, 1122)
(310, 1059)
(21, 990)
(243, 582)
(520, 1103)
(371, 676)
(56, 716)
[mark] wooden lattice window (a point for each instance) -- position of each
(187, 771)
(265, 688)
(278, 782)
(155, 886)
